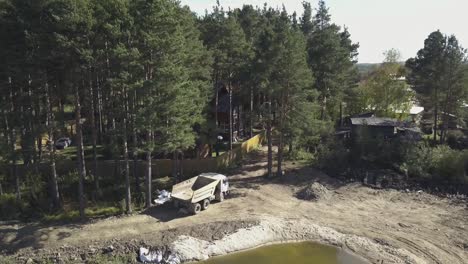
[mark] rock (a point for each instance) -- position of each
(29, 261)
(315, 191)
(108, 250)
(404, 225)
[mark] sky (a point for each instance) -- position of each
(378, 25)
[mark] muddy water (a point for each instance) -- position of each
(291, 253)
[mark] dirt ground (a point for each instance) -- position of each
(429, 228)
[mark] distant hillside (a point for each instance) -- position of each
(366, 67)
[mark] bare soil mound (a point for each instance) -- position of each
(314, 192)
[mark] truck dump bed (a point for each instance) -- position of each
(194, 189)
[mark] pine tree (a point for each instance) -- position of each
(436, 76)
(331, 56)
(293, 80)
(230, 54)
(174, 90)
(74, 22)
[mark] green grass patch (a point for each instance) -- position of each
(431, 137)
(90, 212)
(213, 155)
(163, 183)
(7, 260)
(70, 152)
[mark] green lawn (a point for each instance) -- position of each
(91, 212)
(70, 152)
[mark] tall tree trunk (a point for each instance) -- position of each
(270, 143)
(436, 112)
(148, 170)
(25, 128)
(239, 120)
(63, 127)
(80, 153)
(39, 147)
(135, 145)
(446, 108)
(7, 134)
(324, 108)
(99, 106)
(94, 136)
(13, 169)
(180, 168)
(174, 164)
(216, 99)
(341, 114)
(55, 195)
(128, 194)
(251, 111)
(279, 171)
(230, 115)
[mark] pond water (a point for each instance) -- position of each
(290, 253)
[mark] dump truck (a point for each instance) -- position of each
(196, 194)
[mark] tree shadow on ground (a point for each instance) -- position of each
(31, 235)
(253, 182)
(165, 213)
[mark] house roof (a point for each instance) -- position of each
(414, 110)
(368, 114)
(374, 121)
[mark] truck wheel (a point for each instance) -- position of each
(205, 204)
(196, 208)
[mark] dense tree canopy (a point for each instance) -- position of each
(437, 76)
(134, 80)
(385, 90)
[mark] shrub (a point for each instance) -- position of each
(300, 154)
(333, 156)
(441, 164)
(418, 160)
(448, 165)
(10, 208)
(456, 139)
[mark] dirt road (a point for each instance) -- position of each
(412, 227)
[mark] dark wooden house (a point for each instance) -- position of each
(373, 127)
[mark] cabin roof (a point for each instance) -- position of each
(374, 121)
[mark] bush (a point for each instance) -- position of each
(10, 208)
(440, 164)
(456, 139)
(432, 166)
(333, 156)
(300, 154)
(448, 165)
